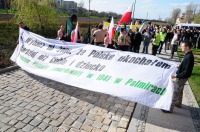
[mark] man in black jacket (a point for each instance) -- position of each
(137, 40)
(183, 73)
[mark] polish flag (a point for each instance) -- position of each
(75, 34)
(127, 15)
(111, 30)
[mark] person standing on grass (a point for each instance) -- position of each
(183, 73)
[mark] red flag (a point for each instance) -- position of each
(75, 34)
(127, 15)
(111, 30)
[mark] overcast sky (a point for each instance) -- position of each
(154, 8)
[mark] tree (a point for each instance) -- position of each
(175, 13)
(81, 9)
(197, 19)
(6, 4)
(169, 21)
(190, 12)
(35, 13)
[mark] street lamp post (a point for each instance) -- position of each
(89, 35)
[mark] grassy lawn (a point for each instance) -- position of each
(3, 11)
(194, 80)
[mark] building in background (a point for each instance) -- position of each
(69, 6)
(185, 18)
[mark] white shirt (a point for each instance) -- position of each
(175, 38)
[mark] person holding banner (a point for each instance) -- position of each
(23, 26)
(183, 73)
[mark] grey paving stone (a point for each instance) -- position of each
(55, 123)
(86, 128)
(43, 126)
(35, 122)
(65, 113)
(47, 120)
(105, 128)
(28, 128)
(81, 119)
(16, 115)
(97, 125)
(68, 121)
(11, 130)
(77, 125)
(55, 116)
(6, 120)
(10, 112)
(13, 122)
(36, 130)
(4, 128)
(74, 130)
(27, 119)
(20, 125)
(107, 121)
(40, 117)
(51, 129)
(123, 124)
(64, 127)
(22, 117)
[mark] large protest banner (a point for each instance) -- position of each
(137, 77)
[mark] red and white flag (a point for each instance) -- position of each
(111, 30)
(75, 34)
(127, 15)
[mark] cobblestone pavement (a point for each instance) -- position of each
(31, 103)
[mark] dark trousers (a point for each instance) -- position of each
(160, 46)
(178, 93)
(136, 48)
(123, 47)
(154, 49)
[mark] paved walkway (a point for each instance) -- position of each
(31, 103)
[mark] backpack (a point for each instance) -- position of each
(147, 37)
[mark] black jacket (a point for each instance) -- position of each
(186, 66)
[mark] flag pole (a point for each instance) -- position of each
(133, 11)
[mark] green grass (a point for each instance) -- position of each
(3, 11)
(194, 80)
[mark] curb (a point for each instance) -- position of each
(8, 69)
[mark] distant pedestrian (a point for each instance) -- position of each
(155, 43)
(99, 36)
(137, 40)
(183, 73)
(174, 43)
(146, 41)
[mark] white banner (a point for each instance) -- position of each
(137, 77)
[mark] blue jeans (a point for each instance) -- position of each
(145, 47)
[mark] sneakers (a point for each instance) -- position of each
(179, 106)
(166, 111)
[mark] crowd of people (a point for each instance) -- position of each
(161, 37)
